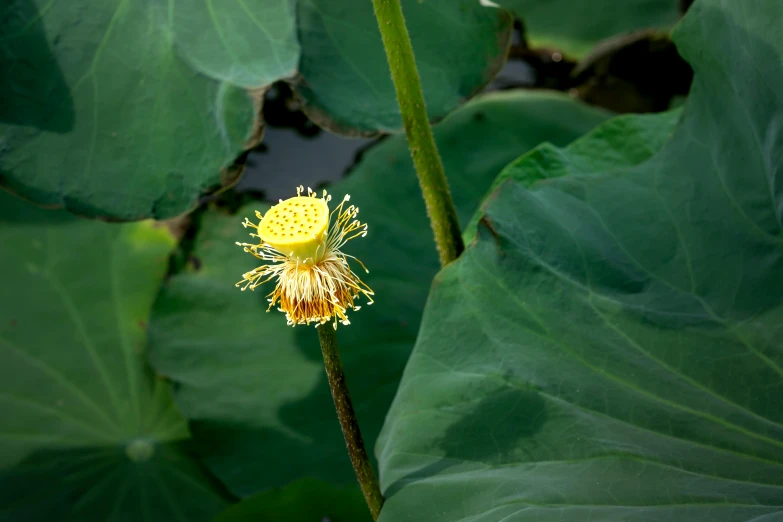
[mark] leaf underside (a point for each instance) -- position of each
(89, 433)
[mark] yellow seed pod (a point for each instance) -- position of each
(297, 228)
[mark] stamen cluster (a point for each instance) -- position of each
(302, 247)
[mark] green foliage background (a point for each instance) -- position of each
(607, 348)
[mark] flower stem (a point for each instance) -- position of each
(353, 437)
(432, 179)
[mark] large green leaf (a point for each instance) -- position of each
(106, 115)
(610, 347)
(255, 389)
(132, 110)
(346, 84)
(575, 26)
(89, 434)
(248, 43)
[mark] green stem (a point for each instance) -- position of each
(432, 179)
(353, 437)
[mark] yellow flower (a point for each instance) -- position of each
(314, 282)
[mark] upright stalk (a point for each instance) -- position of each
(432, 179)
(353, 437)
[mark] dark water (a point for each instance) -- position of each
(296, 152)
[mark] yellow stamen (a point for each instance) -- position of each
(314, 281)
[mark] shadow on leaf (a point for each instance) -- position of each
(501, 424)
(33, 90)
